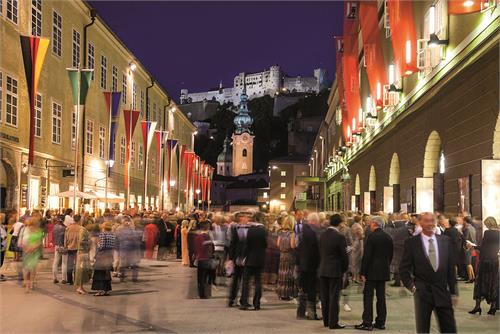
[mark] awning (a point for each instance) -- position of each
(79, 194)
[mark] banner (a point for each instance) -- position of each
(33, 51)
(112, 100)
(339, 44)
(131, 117)
(404, 36)
(372, 44)
(82, 82)
(171, 143)
(148, 131)
(161, 137)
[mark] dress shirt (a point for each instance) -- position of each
(425, 241)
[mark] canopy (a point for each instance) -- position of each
(79, 194)
(112, 198)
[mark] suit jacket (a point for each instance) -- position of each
(377, 256)
(455, 241)
(237, 246)
(308, 249)
(416, 270)
(333, 254)
(255, 251)
(490, 245)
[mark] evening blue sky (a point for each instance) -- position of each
(195, 45)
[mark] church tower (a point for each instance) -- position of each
(243, 139)
(225, 159)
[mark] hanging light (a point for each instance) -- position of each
(361, 126)
(435, 41)
(349, 136)
(432, 20)
(379, 91)
(468, 3)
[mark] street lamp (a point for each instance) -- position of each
(172, 183)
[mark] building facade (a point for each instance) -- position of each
(432, 142)
(115, 69)
(258, 84)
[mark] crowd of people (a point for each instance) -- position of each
(309, 258)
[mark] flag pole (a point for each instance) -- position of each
(128, 162)
(76, 136)
(108, 162)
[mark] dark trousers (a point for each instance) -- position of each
(330, 293)
(202, 278)
(423, 312)
(379, 287)
(307, 292)
(248, 273)
(71, 265)
(235, 284)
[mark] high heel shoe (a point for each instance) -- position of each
(476, 310)
(492, 311)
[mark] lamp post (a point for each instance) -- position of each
(197, 199)
(322, 148)
(109, 164)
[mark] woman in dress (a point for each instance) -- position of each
(82, 269)
(31, 241)
(286, 288)
(357, 249)
(184, 243)
(486, 283)
(271, 267)
(101, 279)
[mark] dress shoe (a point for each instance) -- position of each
(244, 307)
(492, 311)
(56, 281)
(256, 308)
(379, 326)
(230, 304)
(476, 310)
(364, 327)
(337, 326)
(63, 282)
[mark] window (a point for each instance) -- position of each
(140, 158)
(282, 207)
(153, 168)
(89, 147)
(134, 96)
(56, 122)
(283, 185)
(75, 49)
(38, 115)
(53, 198)
(56, 34)
(283, 196)
(154, 112)
(104, 69)
(244, 153)
(122, 150)
(12, 10)
(142, 104)
(36, 17)
(265, 195)
(124, 89)
(283, 173)
(102, 141)
(11, 102)
(73, 128)
(114, 79)
(91, 58)
(132, 155)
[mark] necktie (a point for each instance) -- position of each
(432, 254)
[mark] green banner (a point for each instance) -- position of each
(85, 79)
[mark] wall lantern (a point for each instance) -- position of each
(392, 79)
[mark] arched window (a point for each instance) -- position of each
(244, 152)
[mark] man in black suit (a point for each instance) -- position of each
(427, 270)
(333, 264)
(255, 254)
(308, 263)
(375, 271)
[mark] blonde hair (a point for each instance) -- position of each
(288, 223)
(107, 226)
(491, 223)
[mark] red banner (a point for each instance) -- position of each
(372, 45)
(131, 117)
(465, 6)
(404, 36)
(351, 71)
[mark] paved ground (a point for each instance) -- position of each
(161, 302)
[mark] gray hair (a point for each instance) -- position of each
(378, 220)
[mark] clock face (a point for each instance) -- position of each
(244, 138)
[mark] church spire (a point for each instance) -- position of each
(243, 120)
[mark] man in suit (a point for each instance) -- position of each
(427, 270)
(255, 254)
(375, 271)
(308, 263)
(333, 264)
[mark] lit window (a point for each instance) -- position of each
(56, 122)
(114, 79)
(283, 185)
(75, 50)
(265, 195)
(134, 96)
(140, 158)
(102, 141)
(56, 34)
(12, 10)
(90, 137)
(73, 128)
(132, 155)
(283, 173)
(104, 71)
(11, 102)
(154, 112)
(91, 58)
(122, 150)
(124, 89)
(282, 207)
(283, 196)
(36, 17)
(38, 115)
(1, 91)
(142, 104)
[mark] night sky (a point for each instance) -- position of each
(194, 45)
